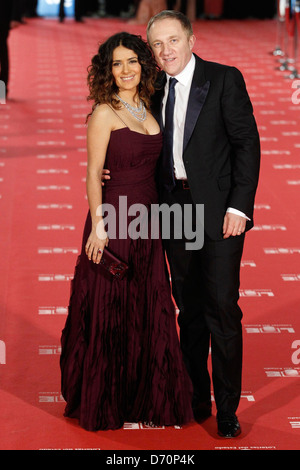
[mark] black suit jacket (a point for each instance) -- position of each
(221, 143)
(9, 10)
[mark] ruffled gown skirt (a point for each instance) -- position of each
(121, 359)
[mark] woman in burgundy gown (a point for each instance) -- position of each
(121, 359)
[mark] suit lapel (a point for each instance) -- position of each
(158, 99)
(160, 121)
(196, 101)
(198, 94)
(197, 97)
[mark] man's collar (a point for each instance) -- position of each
(185, 75)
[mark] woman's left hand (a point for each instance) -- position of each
(95, 246)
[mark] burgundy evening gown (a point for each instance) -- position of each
(121, 359)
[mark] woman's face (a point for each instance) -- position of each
(126, 69)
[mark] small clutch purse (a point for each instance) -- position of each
(113, 265)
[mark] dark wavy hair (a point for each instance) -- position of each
(100, 79)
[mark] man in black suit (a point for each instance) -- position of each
(214, 160)
(10, 17)
(78, 10)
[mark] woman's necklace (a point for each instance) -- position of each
(138, 113)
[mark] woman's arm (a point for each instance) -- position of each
(98, 135)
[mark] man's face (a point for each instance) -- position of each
(171, 45)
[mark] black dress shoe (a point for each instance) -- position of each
(228, 425)
(202, 411)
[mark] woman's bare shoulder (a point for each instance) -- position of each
(101, 116)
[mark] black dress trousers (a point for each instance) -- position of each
(205, 286)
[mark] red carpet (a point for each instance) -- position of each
(43, 208)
